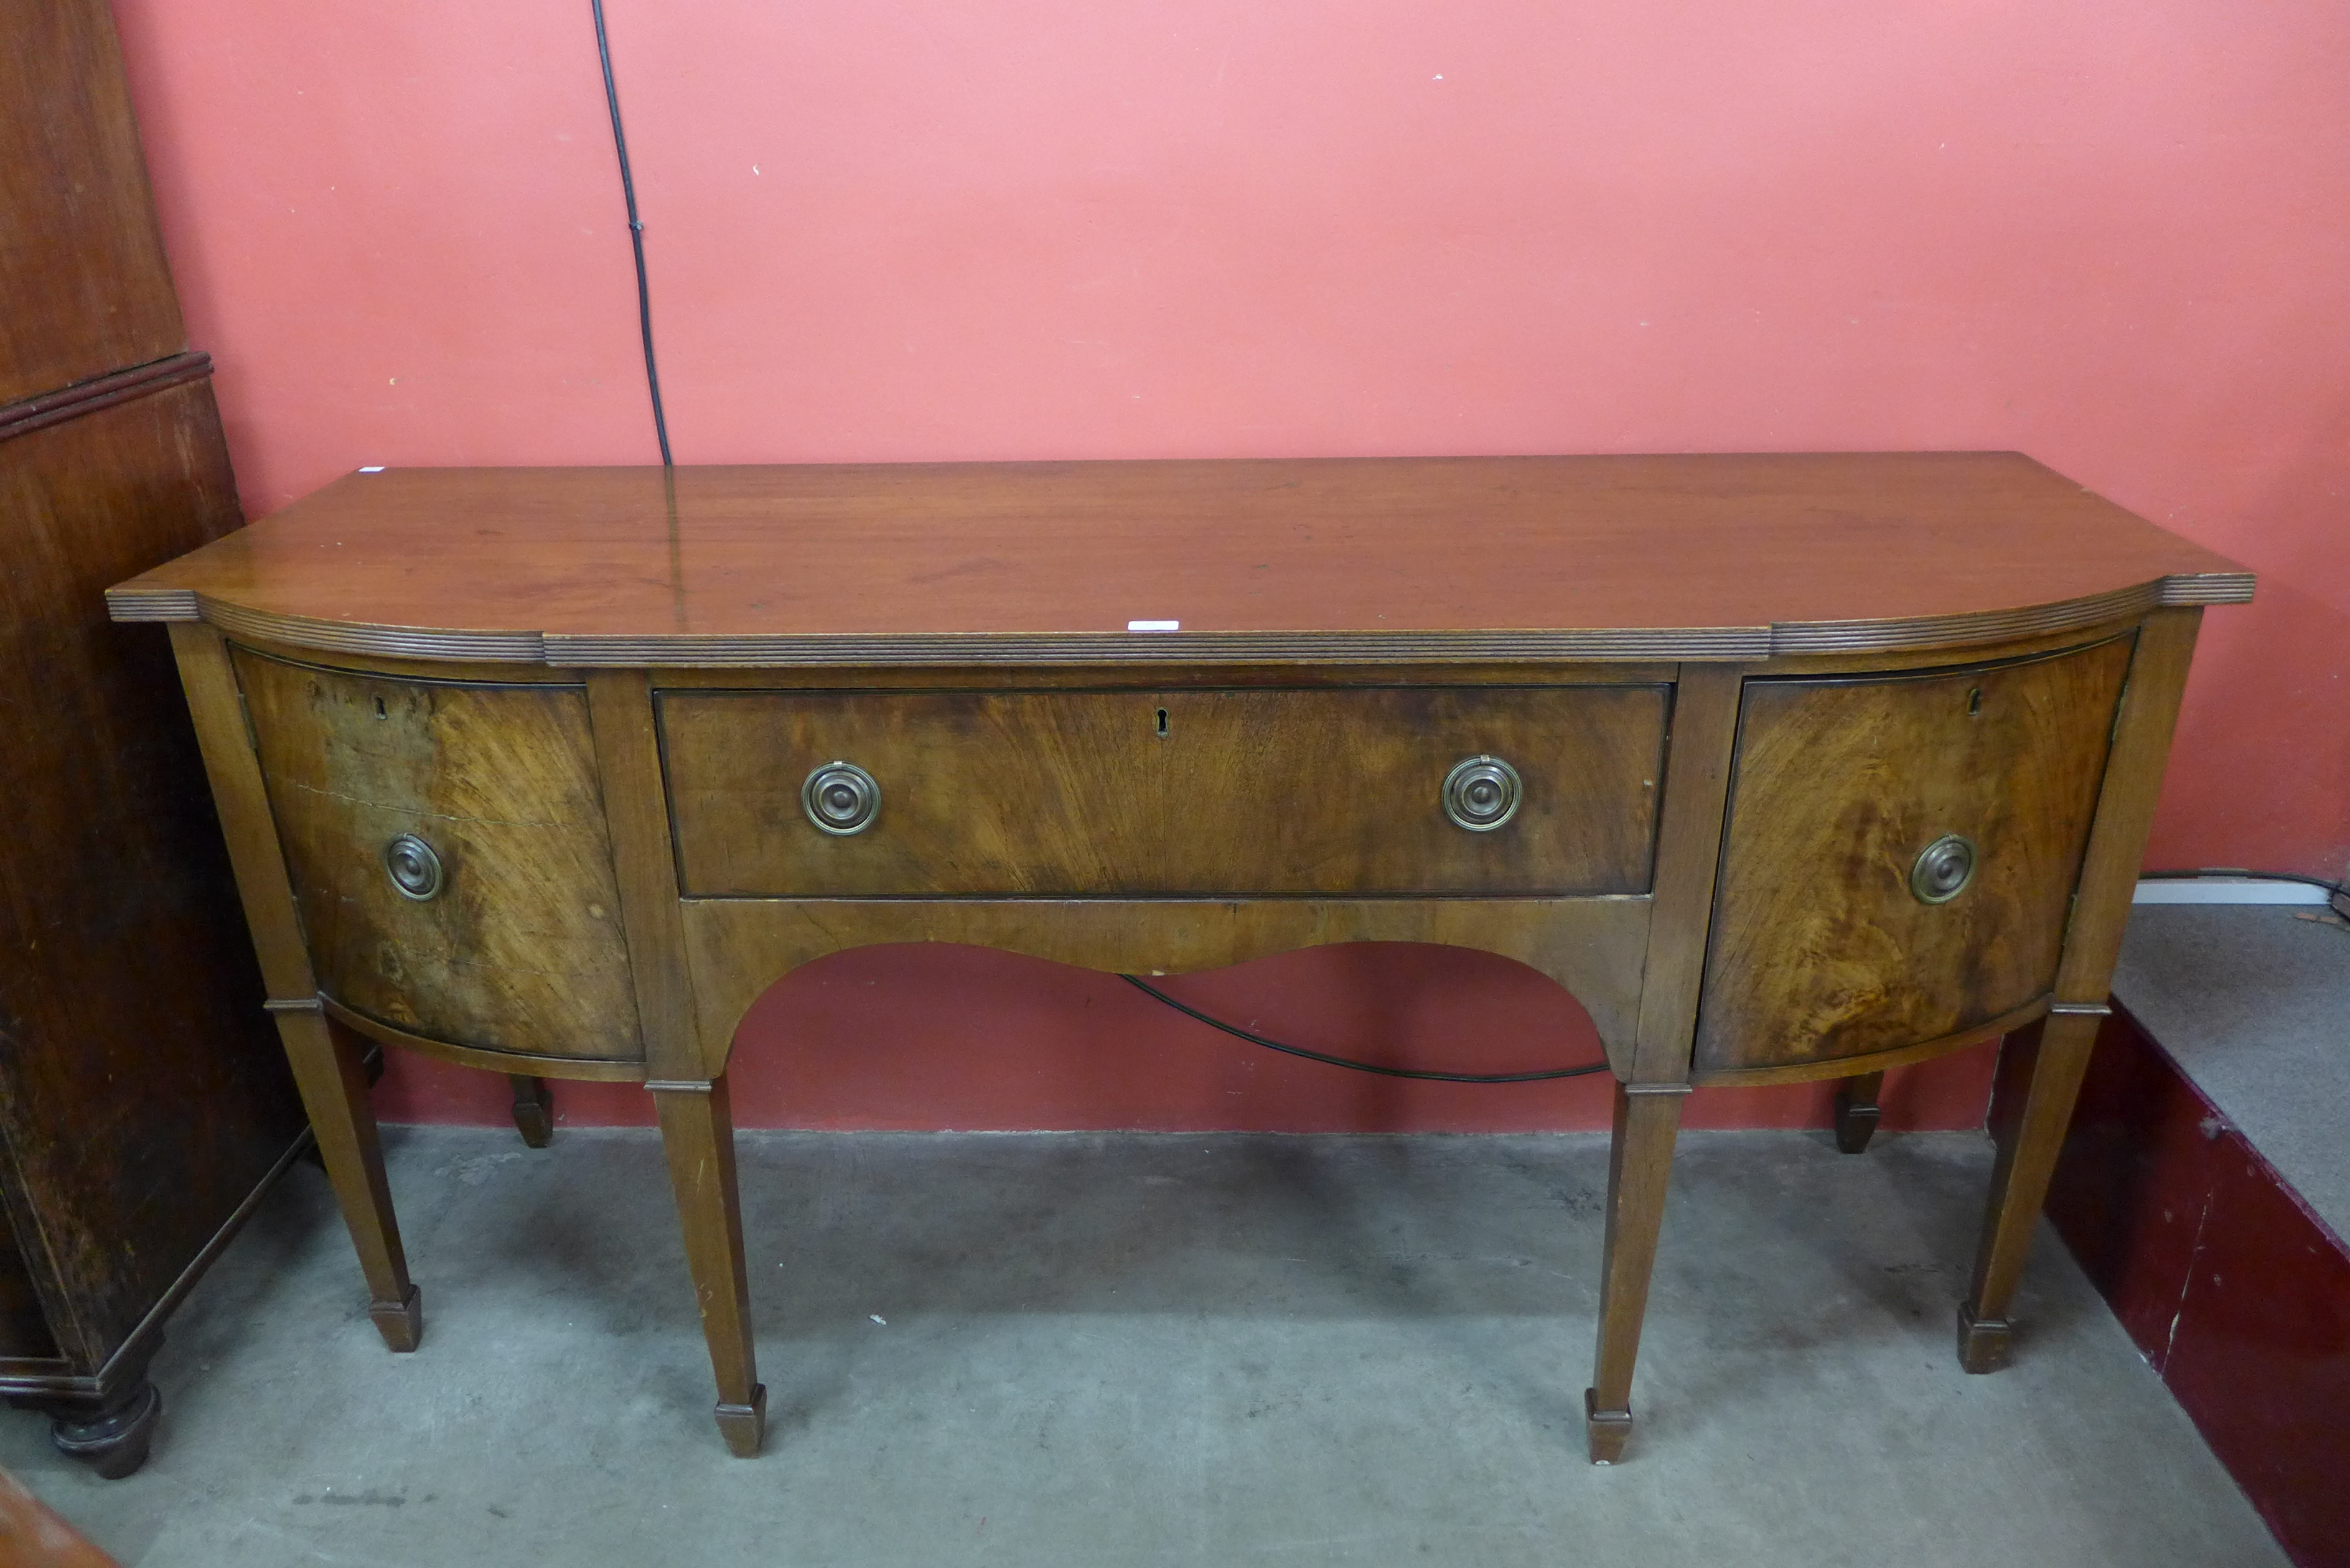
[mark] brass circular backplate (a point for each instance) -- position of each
(1943, 869)
(1482, 793)
(841, 798)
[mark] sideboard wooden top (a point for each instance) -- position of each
(1388, 560)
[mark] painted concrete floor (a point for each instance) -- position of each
(1109, 1350)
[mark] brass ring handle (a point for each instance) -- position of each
(1943, 869)
(413, 868)
(840, 798)
(1482, 793)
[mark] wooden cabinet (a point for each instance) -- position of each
(1787, 767)
(143, 1103)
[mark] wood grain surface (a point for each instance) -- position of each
(81, 255)
(1138, 792)
(55, 408)
(1820, 951)
(523, 950)
(1697, 783)
(697, 1125)
(1639, 1168)
(127, 989)
(644, 860)
(1368, 559)
(2033, 1104)
(1593, 947)
(590, 1069)
(2133, 784)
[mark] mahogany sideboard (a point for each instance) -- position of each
(1787, 767)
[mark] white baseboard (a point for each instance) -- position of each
(2225, 890)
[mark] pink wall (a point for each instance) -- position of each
(2114, 235)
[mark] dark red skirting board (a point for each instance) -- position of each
(2235, 1292)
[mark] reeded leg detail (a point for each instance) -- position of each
(1856, 1111)
(697, 1127)
(533, 1109)
(331, 1072)
(1640, 1164)
(2040, 1071)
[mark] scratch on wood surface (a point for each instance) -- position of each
(406, 810)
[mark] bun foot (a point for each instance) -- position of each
(1985, 1344)
(400, 1322)
(1608, 1430)
(744, 1426)
(113, 1441)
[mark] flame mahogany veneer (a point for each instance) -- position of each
(1825, 764)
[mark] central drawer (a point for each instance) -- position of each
(1134, 794)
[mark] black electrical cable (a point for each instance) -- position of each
(635, 233)
(1538, 1076)
(2239, 871)
(1233, 1029)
